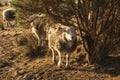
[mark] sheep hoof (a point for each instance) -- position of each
(59, 66)
(55, 63)
(67, 68)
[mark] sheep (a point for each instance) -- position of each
(62, 39)
(9, 2)
(3, 3)
(9, 15)
(36, 21)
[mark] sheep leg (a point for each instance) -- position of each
(53, 55)
(15, 23)
(35, 32)
(67, 61)
(42, 41)
(60, 58)
(38, 39)
(10, 25)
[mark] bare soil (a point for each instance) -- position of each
(15, 67)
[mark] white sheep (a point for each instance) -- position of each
(8, 16)
(62, 39)
(36, 21)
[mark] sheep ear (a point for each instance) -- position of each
(32, 23)
(64, 37)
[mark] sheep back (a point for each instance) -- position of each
(9, 14)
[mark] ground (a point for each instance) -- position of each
(16, 67)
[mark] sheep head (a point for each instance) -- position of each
(70, 34)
